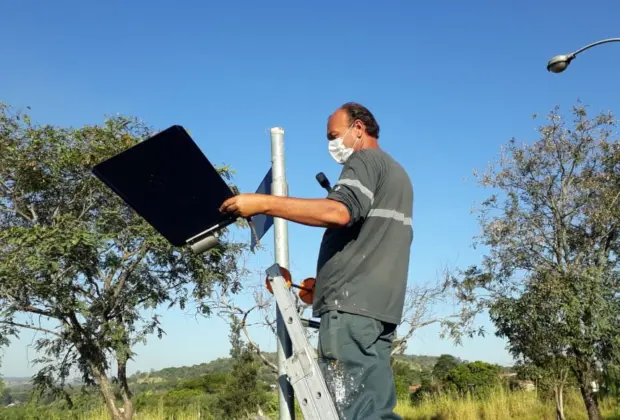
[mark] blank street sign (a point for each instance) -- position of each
(168, 181)
(262, 222)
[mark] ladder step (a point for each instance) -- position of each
(309, 323)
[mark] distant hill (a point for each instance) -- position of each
(171, 376)
(418, 362)
(179, 374)
(14, 381)
(224, 364)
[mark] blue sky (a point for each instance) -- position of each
(448, 81)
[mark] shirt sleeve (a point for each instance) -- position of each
(356, 186)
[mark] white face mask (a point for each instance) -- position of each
(339, 151)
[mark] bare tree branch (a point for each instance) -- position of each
(419, 311)
(126, 256)
(16, 211)
(224, 308)
(35, 216)
(255, 346)
(141, 251)
(37, 311)
(8, 210)
(6, 187)
(31, 327)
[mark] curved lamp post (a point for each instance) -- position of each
(559, 63)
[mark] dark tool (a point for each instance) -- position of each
(323, 181)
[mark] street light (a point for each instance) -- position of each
(559, 63)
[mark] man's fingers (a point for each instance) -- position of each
(231, 208)
(225, 207)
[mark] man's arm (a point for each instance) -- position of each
(348, 203)
(357, 185)
(321, 212)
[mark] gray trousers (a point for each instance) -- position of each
(354, 357)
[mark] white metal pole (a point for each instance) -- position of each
(284, 346)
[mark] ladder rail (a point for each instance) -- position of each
(302, 369)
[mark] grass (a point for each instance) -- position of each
(499, 406)
(503, 405)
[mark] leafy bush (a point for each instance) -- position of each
(404, 376)
(476, 378)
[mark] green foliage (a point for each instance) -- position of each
(548, 380)
(171, 377)
(76, 258)
(551, 277)
(182, 397)
(201, 392)
(223, 364)
(477, 378)
(610, 382)
(444, 365)
(212, 376)
(416, 362)
(404, 376)
(242, 393)
(419, 370)
(499, 405)
(211, 384)
(176, 400)
(407, 370)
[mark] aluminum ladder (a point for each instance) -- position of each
(302, 370)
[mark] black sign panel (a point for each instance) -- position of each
(168, 181)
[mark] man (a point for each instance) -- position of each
(362, 265)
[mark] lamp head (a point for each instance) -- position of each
(559, 63)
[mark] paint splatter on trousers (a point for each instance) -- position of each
(354, 356)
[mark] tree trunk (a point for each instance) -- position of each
(590, 402)
(125, 392)
(586, 393)
(94, 355)
(66, 396)
(122, 355)
(558, 392)
(108, 394)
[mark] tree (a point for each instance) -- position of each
(426, 388)
(550, 277)
(211, 383)
(537, 332)
(242, 393)
(444, 365)
(404, 377)
(610, 381)
(80, 261)
(550, 380)
(419, 312)
(239, 319)
(475, 377)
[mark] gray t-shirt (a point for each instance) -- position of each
(362, 268)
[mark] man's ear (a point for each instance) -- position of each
(361, 127)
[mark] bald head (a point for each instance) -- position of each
(355, 124)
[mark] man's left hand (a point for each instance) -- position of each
(245, 205)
